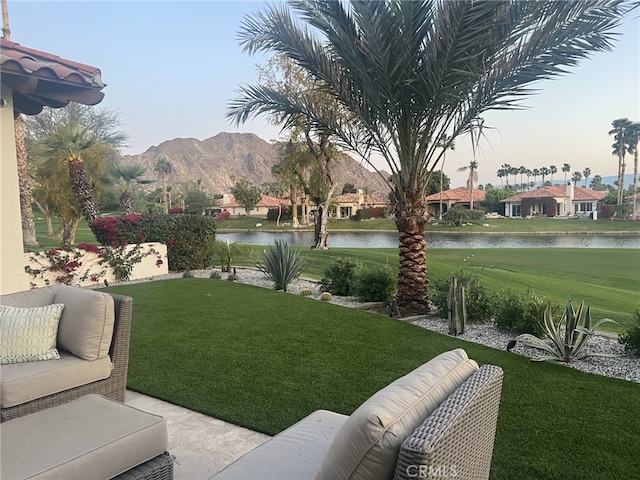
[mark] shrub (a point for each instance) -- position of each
(281, 264)
(190, 242)
(457, 216)
(285, 214)
(481, 304)
(326, 297)
(215, 274)
(568, 337)
(338, 277)
(518, 313)
(631, 340)
(176, 210)
(374, 284)
(188, 274)
(223, 215)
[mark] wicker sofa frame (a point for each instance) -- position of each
(113, 387)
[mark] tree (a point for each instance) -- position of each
(633, 136)
(505, 169)
(196, 201)
(576, 177)
(68, 143)
(585, 174)
(536, 173)
(447, 143)
(471, 179)
(620, 132)
(407, 73)
(126, 175)
(544, 172)
(246, 194)
(566, 168)
(553, 169)
(349, 188)
(163, 167)
(596, 183)
(522, 170)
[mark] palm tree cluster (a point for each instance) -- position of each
(405, 76)
(627, 135)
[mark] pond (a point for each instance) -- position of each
(390, 240)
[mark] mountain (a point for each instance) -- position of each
(222, 160)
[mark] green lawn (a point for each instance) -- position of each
(267, 363)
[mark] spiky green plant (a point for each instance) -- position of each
(281, 264)
(568, 337)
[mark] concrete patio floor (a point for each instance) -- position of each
(201, 445)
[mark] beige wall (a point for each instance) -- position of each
(12, 275)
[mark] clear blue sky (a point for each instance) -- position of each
(171, 68)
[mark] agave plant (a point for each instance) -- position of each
(281, 264)
(568, 336)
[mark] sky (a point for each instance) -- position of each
(172, 67)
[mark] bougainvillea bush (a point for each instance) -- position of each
(189, 238)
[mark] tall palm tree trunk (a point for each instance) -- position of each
(82, 189)
(635, 180)
(412, 273)
(126, 203)
(24, 181)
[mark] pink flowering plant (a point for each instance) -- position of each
(72, 266)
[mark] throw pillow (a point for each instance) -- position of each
(367, 445)
(29, 334)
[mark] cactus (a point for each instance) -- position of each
(456, 307)
(305, 292)
(326, 297)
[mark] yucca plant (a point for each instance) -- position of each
(568, 337)
(281, 264)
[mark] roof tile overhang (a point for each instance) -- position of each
(40, 79)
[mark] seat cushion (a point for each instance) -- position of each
(23, 382)
(29, 334)
(294, 454)
(86, 325)
(91, 437)
(367, 445)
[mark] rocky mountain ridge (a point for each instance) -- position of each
(222, 160)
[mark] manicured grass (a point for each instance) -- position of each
(266, 363)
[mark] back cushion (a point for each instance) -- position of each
(367, 445)
(86, 325)
(37, 297)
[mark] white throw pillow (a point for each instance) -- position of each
(367, 445)
(29, 334)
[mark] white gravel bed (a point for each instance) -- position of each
(623, 366)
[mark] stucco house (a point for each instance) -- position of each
(347, 204)
(554, 201)
(451, 198)
(228, 202)
(30, 80)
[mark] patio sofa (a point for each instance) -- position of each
(438, 421)
(92, 342)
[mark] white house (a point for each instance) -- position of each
(554, 201)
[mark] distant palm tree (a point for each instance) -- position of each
(501, 173)
(68, 142)
(576, 177)
(529, 173)
(522, 170)
(163, 167)
(471, 179)
(553, 170)
(633, 136)
(585, 174)
(536, 173)
(544, 171)
(566, 168)
(514, 171)
(446, 143)
(128, 174)
(620, 148)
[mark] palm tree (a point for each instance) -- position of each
(544, 171)
(405, 74)
(529, 173)
(447, 143)
(620, 148)
(634, 138)
(536, 172)
(163, 167)
(471, 179)
(127, 174)
(566, 168)
(585, 174)
(576, 177)
(522, 170)
(553, 169)
(514, 171)
(68, 142)
(501, 173)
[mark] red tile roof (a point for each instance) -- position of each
(460, 194)
(40, 79)
(579, 193)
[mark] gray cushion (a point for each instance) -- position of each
(86, 325)
(367, 446)
(23, 382)
(91, 437)
(294, 454)
(37, 297)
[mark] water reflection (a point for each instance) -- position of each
(390, 240)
